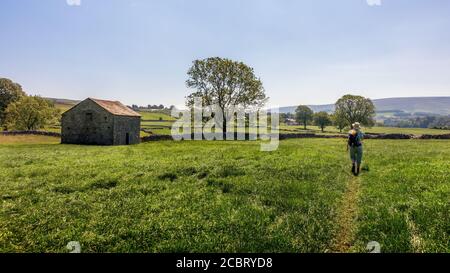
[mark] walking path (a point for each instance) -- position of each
(346, 217)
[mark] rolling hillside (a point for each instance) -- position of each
(63, 104)
(430, 105)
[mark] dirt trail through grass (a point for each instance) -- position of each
(346, 217)
(416, 240)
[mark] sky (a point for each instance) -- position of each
(304, 51)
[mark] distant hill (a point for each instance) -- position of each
(432, 105)
(63, 104)
(423, 105)
(429, 105)
(63, 101)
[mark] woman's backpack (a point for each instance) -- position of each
(354, 139)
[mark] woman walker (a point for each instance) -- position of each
(355, 138)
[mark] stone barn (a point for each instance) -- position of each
(100, 122)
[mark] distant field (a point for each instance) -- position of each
(413, 131)
(63, 107)
(155, 116)
(376, 130)
(164, 128)
(225, 196)
(28, 139)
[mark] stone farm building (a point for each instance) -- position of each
(100, 122)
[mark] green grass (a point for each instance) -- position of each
(64, 106)
(167, 196)
(220, 196)
(155, 115)
(412, 131)
(157, 127)
(157, 123)
(28, 139)
(405, 202)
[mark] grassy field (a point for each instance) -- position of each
(412, 131)
(164, 128)
(155, 115)
(28, 139)
(225, 196)
(405, 197)
(63, 106)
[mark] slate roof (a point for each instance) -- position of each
(116, 108)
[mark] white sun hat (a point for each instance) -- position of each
(356, 125)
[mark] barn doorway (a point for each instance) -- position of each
(127, 139)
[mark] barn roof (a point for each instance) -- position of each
(116, 108)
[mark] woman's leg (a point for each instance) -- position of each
(353, 159)
(359, 156)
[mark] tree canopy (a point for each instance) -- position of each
(338, 121)
(351, 108)
(30, 113)
(226, 83)
(9, 92)
(303, 115)
(322, 120)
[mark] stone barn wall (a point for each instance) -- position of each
(87, 123)
(124, 125)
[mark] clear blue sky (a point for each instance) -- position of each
(306, 52)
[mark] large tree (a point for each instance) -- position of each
(30, 113)
(9, 92)
(303, 115)
(351, 108)
(338, 121)
(225, 83)
(322, 120)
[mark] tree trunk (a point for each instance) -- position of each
(224, 128)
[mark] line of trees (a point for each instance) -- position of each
(304, 115)
(348, 109)
(151, 107)
(18, 111)
(226, 83)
